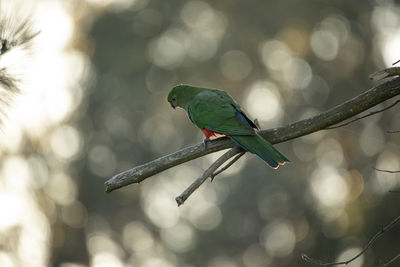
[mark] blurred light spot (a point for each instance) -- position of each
(167, 51)
(263, 102)
(15, 174)
(235, 65)
(40, 170)
(296, 37)
(336, 224)
(355, 183)
(328, 186)
(387, 160)
(372, 140)
(303, 151)
(302, 229)
(273, 203)
(255, 256)
(72, 264)
(12, 212)
(161, 209)
(350, 253)
(99, 243)
(200, 47)
(220, 261)
(65, 142)
(102, 161)
(180, 237)
(297, 73)
(390, 47)
(7, 260)
(106, 259)
(201, 17)
(11, 138)
(327, 37)
(60, 31)
(74, 215)
(156, 262)
(147, 22)
(206, 27)
(385, 19)
(117, 125)
(197, 14)
(316, 94)
(137, 237)
(275, 54)
(278, 238)
(62, 189)
(120, 5)
(149, 133)
(205, 216)
(33, 238)
(324, 44)
(329, 152)
(158, 79)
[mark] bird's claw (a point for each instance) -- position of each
(205, 141)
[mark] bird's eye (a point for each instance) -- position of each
(173, 99)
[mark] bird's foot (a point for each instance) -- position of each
(205, 141)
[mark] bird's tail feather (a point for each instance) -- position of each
(261, 147)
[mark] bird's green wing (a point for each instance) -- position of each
(215, 110)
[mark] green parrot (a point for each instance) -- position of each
(216, 113)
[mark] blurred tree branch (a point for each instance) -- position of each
(389, 171)
(335, 115)
(367, 246)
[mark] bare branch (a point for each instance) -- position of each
(382, 74)
(379, 170)
(369, 244)
(362, 117)
(348, 109)
(393, 131)
(207, 173)
(395, 258)
(238, 156)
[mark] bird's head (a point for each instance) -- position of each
(181, 95)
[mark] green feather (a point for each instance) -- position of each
(262, 148)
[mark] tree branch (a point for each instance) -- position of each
(391, 260)
(348, 109)
(212, 176)
(362, 117)
(209, 173)
(379, 170)
(369, 244)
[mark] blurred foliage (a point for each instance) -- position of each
(282, 61)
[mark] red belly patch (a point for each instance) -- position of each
(211, 134)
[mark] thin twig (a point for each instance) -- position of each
(382, 74)
(393, 131)
(362, 117)
(335, 115)
(396, 62)
(207, 173)
(392, 260)
(379, 170)
(212, 176)
(369, 244)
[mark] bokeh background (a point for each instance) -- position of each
(93, 104)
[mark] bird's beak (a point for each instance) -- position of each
(172, 105)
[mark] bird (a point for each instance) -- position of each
(217, 114)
